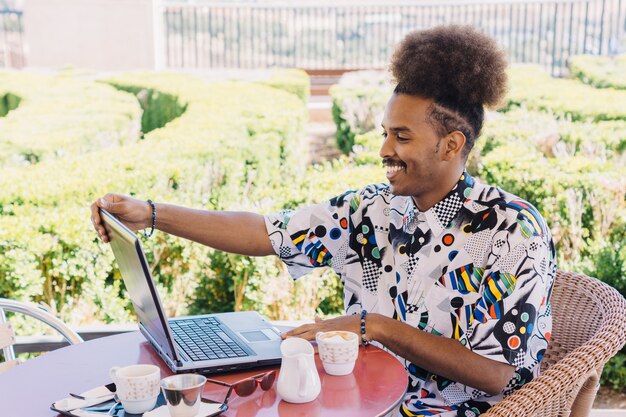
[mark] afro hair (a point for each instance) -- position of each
(461, 69)
(451, 64)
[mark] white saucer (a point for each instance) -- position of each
(206, 410)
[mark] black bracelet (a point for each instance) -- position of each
(153, 219)
(363, 338)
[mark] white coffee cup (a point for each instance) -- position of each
(137, 386)
(338, 351)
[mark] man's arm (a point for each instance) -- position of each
(437, 354)
(440, 355)
(237, 232)
(229, 231)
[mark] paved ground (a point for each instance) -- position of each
(608, 413)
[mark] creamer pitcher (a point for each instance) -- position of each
(298, 380)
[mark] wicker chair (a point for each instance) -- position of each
(589, 327)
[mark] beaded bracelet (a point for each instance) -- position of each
(363, 338)
(153, 219)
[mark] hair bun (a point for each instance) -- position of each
(451, 64)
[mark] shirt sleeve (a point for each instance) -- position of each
(313, 236)
(512, 319)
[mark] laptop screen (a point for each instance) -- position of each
(138, 281)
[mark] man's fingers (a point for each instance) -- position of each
(112, 207)
(298, 330)
(305, 331)
(97, 221)
(310, 335)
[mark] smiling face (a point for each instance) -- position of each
(419, 162)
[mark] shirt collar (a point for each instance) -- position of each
(441, 214)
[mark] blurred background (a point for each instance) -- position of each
(266, 105)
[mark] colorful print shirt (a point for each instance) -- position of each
(477, 267)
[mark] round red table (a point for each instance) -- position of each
(376, 386)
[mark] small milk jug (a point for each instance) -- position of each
(298, 380)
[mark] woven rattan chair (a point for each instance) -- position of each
(589, 327)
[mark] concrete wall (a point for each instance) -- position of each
(100, 35)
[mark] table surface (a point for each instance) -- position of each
(375, 387)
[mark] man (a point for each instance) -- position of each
(450, 275)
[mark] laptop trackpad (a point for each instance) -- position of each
(254, 336)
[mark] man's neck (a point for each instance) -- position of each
(427, 201)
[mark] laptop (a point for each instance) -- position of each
(205, 343)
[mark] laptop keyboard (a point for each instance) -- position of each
(203, 339)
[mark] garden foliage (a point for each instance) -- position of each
(601, 72)
(229, 145)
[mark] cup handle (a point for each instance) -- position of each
(302, 368)
(113, 373)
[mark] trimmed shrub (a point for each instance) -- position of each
(293, 81)
(359, 100)
(599, 71)
(534, 89)
(232, 148)
(54, 116)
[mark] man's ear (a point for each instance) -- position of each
(454, 143)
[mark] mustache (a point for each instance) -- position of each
(388, 161)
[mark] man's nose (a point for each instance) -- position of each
(386, 150)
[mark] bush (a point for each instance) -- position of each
(229, 148)
(55, 116)
(534, 89)
(599, 71)
(614, 373)
(359, 100)
(293, 81)
(8, 102)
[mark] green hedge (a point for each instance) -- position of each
(293, 81)
(359, 100)
(599, 71)
(234, 146)
(534, 89)
(55, 116)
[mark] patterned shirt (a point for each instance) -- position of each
(477, 267)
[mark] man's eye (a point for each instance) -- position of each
(402, 138)
(384, 135)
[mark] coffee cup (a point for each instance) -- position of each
(338, 351)
(137, 387)
(183, 394)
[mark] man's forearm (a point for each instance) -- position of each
(440, 355)
(237, 232)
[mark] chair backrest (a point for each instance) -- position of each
(589, 327)
(589, 319)
(7, 335)
(581, 307)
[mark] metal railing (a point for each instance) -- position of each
(350, 36)
(11, 39)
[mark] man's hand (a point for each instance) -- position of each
(135, 214)
(350, 323)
